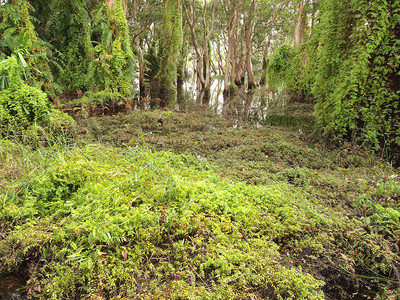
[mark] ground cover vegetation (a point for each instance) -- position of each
(224, 213)
(183, 203)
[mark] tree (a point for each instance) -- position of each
(201, 44)
(170, 45)
(232, 18)
(144, 17)
(250, 24)
(300, 24)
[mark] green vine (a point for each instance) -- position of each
(114, 63)
(358, 71)
(171, 45)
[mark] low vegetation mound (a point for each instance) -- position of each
(104, 222)
(252, 213)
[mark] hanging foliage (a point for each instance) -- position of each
(19, 38)
(114, 60)
(171, 43)
(358, 74)
(68, 29)
(291, 68)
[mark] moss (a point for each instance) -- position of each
(112, 211)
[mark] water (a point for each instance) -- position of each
(258, 106)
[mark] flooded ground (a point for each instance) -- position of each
(257, 107)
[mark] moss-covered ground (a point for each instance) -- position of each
(189, 205)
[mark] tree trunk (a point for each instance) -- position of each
(312, 19)
(249, 29)
(139, 54)
(171, 39)
(299, 30)
(125, 7)
(206, 49)
(230, 60)
(265, 60)
(202, 53)
(240, 60)
(111, 4)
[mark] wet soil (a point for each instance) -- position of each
(259, 139)
(12, 287)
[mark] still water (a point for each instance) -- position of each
(259, 106)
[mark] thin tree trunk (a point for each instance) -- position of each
(299, 30)
(206, 49)
(139, 55)
(125, 7)
(230, 60)
(312, 19)
(250, 24)
(239, 60)
(265, 59)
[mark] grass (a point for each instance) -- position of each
(160, 205)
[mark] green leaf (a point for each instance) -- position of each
(23, 61)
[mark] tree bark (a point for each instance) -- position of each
(239, 71)
(299, 30)
(230, 55)
(265, 58)
(111, 4)
(249, 29)
(171, 39)
(139, 54)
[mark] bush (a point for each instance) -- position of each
(22, 105)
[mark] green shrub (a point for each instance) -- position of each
(20, 104)
(60, 121)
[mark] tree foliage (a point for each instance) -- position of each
(358, 75)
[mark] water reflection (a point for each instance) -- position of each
(242, 106)
(258, 106)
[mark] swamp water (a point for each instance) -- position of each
(259, 106)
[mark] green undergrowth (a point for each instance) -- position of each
(225, 213)
(360, 254)
(98, 98)
(101, 221)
